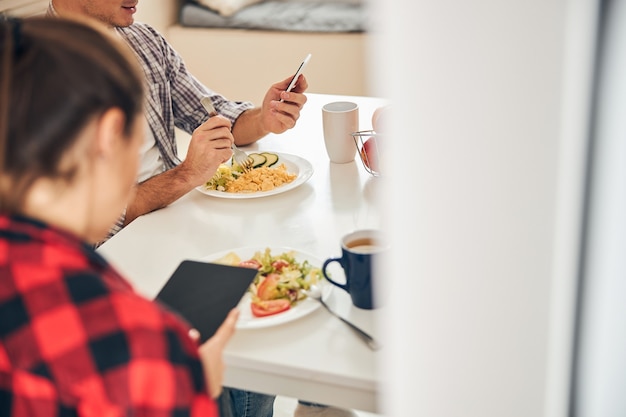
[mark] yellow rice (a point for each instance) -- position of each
(261, 179)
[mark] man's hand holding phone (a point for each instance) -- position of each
(279, 112)
(291, 99)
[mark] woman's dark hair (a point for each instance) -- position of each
(56, 75)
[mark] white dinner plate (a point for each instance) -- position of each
(294, 165)
(301, 309)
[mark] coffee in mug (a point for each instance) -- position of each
(359, 253)
(365, 245)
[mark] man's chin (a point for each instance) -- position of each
(122, 23)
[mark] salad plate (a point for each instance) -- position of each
(302, 308)
(294, 164)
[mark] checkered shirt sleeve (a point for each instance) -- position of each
(174, 94)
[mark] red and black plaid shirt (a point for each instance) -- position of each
(76, 340)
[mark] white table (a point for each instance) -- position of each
(317, 357)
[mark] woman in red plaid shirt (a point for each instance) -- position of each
(75, 339)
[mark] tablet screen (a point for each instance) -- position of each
(204, 293)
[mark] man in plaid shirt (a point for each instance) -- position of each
(173, 99)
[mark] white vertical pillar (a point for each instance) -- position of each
(477, 88)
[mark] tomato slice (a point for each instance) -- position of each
(267, 290)
(250, 263)
(269, 307)
(279, 264)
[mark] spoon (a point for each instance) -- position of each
(315, 293)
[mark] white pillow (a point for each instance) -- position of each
(227, 7)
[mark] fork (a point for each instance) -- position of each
(315, 293)
(239, 156)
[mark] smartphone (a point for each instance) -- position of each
(294, 80)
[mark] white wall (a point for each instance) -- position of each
(158, 13)
(490, 189)
(23, 8)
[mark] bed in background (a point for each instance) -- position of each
(338, 16)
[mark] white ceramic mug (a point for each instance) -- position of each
(340, 120)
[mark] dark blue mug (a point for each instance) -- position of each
(359, 253)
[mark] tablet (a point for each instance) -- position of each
(203, 293)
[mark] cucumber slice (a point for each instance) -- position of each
(270, 158)
(257, 159)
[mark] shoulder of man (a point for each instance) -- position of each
(145, 41)
(140, 29)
